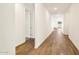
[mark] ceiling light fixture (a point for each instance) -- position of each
(55, 8)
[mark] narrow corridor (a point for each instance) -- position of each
(55, 44)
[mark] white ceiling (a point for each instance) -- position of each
(29, 6)
(62, 7)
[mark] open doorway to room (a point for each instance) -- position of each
(30, 32)
(57, 22)
(24, 28)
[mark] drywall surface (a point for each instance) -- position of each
(42, 24)
(72, 24)
(7, 28)
(20, 23)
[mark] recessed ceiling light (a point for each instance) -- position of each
(55, 8)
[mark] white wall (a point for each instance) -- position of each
(20, 23)
(7, 28)
(72, 24)
(66, 23)
(42, 24)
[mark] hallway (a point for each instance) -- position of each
(31, 29)
(55, 44)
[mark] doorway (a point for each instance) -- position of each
(57, 22)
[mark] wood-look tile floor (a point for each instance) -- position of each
(55, 44)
